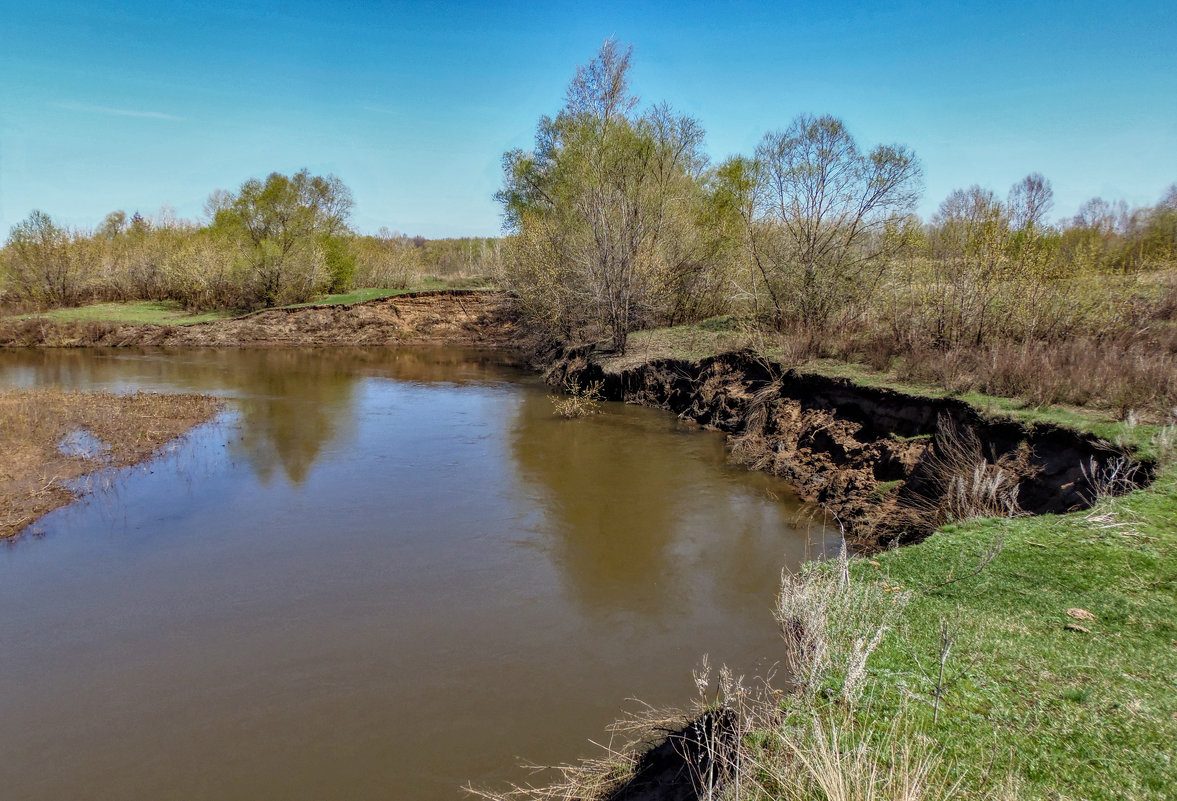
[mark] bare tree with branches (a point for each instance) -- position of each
(828, 217)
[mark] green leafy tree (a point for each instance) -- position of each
(290, 230)
(604, 208)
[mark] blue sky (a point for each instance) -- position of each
(134, 105)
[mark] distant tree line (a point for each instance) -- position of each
(617, 220)
(279, 240)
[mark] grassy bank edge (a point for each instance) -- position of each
(711, 337)
(1059, 651)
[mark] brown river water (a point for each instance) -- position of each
(380, 574)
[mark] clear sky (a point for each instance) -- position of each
(109, 105)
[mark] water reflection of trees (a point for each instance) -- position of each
(291, 407)
(610, 505)
(293, 402)
(642, 516)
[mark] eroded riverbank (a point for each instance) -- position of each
(458, 317)
(890, 467)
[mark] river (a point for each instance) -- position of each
(379, 574)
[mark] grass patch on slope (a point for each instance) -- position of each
(167, 312)
(426, 284)
(354, 296)
(1079, 704)
(141, 312)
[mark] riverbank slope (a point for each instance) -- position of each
(995, 657)
(477, 318)
(889, 466)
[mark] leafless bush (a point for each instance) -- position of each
(387, 261)
(579, 401)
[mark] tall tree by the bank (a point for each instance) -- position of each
(604, 208)
(291, 230)
(42, 261)
(995, 269)
(827, 218)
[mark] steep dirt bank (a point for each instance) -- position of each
(890, 466)
(456, 317)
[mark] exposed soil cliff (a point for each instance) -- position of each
(457, 317)
(882, 462)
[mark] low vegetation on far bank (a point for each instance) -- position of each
(51, 436)
(277, 242)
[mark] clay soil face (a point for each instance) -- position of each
(105, 429)
(473, 318)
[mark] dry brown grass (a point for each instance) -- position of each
(34, 422)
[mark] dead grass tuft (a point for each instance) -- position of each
(965, 484)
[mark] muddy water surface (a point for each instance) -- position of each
(381, 574)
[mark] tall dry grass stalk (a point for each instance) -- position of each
(831, 623)
(836, 758)
(1165, 442)
(965, 484)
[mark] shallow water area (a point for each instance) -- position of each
(381, 573)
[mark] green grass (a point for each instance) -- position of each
(1070, 714)
(1100, 422)
(138, 311)
(885, 488)
(172, 313)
